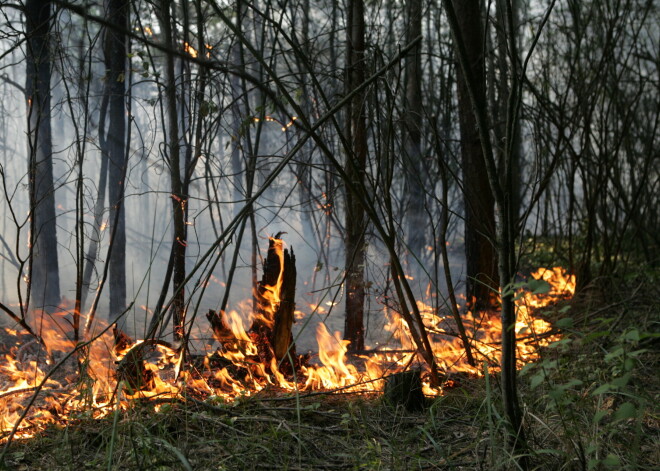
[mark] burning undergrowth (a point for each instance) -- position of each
(54, 380)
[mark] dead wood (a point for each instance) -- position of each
(282, 337)
(273, 325)
(405, 389)
(221, 331)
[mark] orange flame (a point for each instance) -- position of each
(92, 382)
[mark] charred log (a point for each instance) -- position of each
(221, 331)
(282, 337)
(131, 368)
(405, 389)
(276, 293)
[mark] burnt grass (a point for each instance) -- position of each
(585, 406)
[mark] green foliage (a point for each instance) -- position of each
(589, 383)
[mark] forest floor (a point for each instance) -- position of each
(590, 403)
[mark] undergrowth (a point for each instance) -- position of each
(590, 403)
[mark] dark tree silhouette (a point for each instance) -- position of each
(481, 260)
(356, 136)
(44, 270)
(115, 147)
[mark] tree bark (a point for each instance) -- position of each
(115, 62)
(44, 264)
(481, 260)
(356, 134)
(413, 135)
(276, 295)
(179, 199)
(501, 186)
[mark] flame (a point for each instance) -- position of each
(100, 376)
(190, 50)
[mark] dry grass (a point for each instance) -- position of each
(570, 424)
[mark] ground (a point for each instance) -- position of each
(590, 402)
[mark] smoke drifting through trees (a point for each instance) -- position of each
(214, 125)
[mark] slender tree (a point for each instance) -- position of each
(481, 259)
(115, 147)
(44, 267)
(413, 134)
(179, 199)
(356, 135)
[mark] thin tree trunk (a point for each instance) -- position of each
(44, 266)
(481, 260)
(179, 200)
(501, 186)
(356, 133)
(413, 135)
(115, 61)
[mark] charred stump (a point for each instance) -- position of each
(221, 331)
(272, 328)
(131, 368)
(282, 336)
(405, 389)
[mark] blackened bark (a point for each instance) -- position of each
(413, 134)
(115, 142)
(178, 197)
(356, 134)
(405, 389)
(273, 324)
(481, 259)
(44, 271)
(501, 186)
(282, 339)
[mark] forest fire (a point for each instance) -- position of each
(52, 380)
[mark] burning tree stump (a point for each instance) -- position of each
(405, 389)
(221, 332)
(276, 295)
(131, 369)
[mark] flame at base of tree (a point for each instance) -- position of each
(57, 381)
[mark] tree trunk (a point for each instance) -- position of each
(115, 62)
(44, 270)
(481, 260)
(413, 135)
(276, 296)
(356, 157)
(179, 199)
(501, 186)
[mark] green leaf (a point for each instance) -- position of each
(621, 381)
(573, 382)
(617, 352)
(602, 389)
(632, 335)
(596, 335)
(539, 286)
(536, 380)
(598, 416)
(557, 393)
(565, 323)
(527, 367)
(625, 411)
(561, 343)
(612, 461)
(628, 364)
